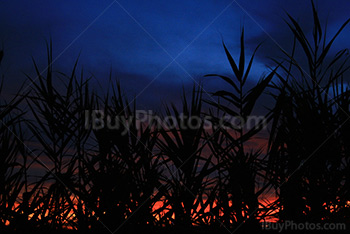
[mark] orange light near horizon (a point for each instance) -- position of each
(159, 204)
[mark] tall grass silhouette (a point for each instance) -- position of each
(66, 165)
(239, 195)
(307, 157)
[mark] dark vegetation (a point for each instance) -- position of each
(57, 172)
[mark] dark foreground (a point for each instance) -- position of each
(173, 230)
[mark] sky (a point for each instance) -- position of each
(154, 48)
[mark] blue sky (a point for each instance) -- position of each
(140, 39)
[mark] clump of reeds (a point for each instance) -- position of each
(308, 157)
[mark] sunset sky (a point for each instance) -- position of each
(76, 156)
(139, 40)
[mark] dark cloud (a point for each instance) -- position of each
(139, 51)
